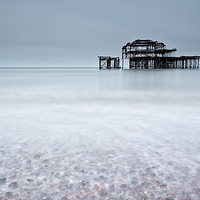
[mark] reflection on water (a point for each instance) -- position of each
(129, 134)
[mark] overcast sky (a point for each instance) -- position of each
(75, 32)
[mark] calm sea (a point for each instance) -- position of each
(146, 117)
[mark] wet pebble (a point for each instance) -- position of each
(65, 179)
(102, 178)
(83, 171)
(2, 181)
(8, 195)
(149, 169)
(30, 180)
(45, 161)
(102, 192)
(13, 185)
(82, 183)
(57, 175)
(134, 182)
(123, 186)
(144, 184)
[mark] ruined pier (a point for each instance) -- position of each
(108, 62)
(148, 54)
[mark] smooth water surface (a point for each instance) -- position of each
(89, 134)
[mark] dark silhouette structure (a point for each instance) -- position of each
(148, 54)
(107, 62)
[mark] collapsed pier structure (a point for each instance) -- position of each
(107, 62)
(148, 54)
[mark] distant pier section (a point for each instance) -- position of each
(148, 54)
(107, 62)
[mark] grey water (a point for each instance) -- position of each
(137, 129)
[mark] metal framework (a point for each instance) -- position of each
(148, 54)
(107, 62)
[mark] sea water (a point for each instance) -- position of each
(92, 134)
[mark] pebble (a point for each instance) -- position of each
(83, 183)
(45, 161)
(30, 180)
(123, 186)
(102, 192)
(102, 178)
(69, 176)
(8, 194)
(134, 182)
(13, 185)
(2, 181)
(57, 175)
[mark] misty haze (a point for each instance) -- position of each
(71, 131)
